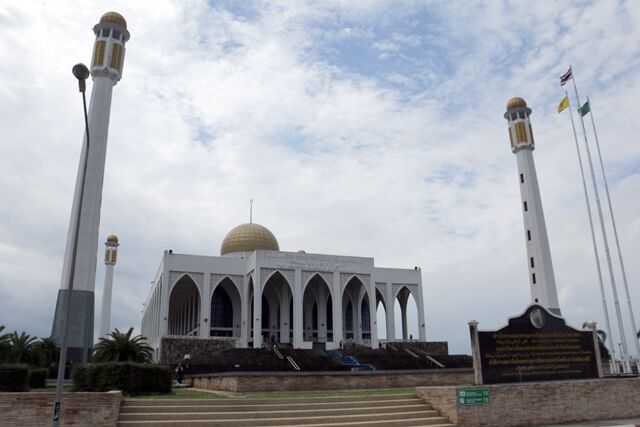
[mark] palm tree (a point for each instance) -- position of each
(48, 350)
(5, 347)
(22, 348)
(121, 347)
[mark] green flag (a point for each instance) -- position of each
(584, 109)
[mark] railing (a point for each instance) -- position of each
(434, 361)
(293, 363)
(277, 352)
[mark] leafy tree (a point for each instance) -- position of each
(119, 347)
(23, 349)
(48, 350)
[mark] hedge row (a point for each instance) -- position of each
(130, 378)
(13, 377)
(38, 378)
(21, 378)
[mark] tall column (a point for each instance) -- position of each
(110, 258)
(336, 300)
(205, 308)
(373, 318)
(106, 69)
(422, 330)
(297, 309)
(257, 309)
(389, 312)
(245, 314)
(541, 277)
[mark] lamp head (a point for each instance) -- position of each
(81, 72)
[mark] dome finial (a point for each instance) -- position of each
(250, 211)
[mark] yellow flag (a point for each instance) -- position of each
(563, 104)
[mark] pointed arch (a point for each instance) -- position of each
(407, 305)
(316, 296)
(184, 307)
(226, 306)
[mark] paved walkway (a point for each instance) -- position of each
(606, 423)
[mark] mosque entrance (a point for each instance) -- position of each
(184, 308)
(225, 310)
(317, 311)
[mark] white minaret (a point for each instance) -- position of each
(106, 69)
(541, 278)
(110, 258)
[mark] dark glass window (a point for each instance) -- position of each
(525, 206)
(116, 34)
(291, 315)
(329, 314)
(314, 317)
(348, 321)
(532, 262)
(533, 277)
(221, 309)
(528, 234)
(366, 320)
(522, 178)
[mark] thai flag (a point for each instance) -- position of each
(565, 77)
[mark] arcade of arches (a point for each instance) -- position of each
(289, 297)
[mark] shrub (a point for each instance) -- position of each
(38, 378)
(13, 377)
(130, 378)
(53, 372)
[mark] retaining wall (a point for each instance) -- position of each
(78, 409)
(541, 403)
(300, 381)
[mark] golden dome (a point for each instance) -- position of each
(112, 238)
(114, 17)
(301, 251)
(516, 102)
(248, 238)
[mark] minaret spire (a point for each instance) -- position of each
(541, 277)
(111, 34)
(110, 258)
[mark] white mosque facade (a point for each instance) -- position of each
(289, 297)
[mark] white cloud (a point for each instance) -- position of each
(216, 107)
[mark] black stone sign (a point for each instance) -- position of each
(537, 346)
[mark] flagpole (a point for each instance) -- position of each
(615, 234)
(625, 352)
(613, 366)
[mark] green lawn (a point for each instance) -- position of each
(183, 393)
(187, 393)
(328, 393)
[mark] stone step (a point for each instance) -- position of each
(387, 411)
(391, 410)
(240, 401)
(220, 406)
(299, 422)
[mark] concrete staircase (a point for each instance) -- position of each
(372, 411)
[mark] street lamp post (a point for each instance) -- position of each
(81, 72)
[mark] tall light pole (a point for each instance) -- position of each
(81, 72)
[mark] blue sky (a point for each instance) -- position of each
(359, 128)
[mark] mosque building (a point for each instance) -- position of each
(307, 300)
